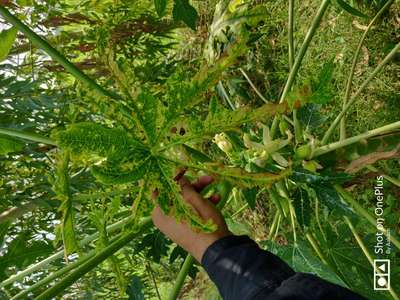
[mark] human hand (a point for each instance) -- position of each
(194, 242)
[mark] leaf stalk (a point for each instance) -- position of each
(343, 143)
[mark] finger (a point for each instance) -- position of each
(154, 194)
(202, 206)
(202, 182)
(160, 219)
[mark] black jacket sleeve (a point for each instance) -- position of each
(243, 271)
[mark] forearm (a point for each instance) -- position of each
(241, 270)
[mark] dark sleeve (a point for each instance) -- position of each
(243, 271)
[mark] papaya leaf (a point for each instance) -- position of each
(3, 231)
(89, 137)
(309, 115)
(238, 228)
(149, 115)
(197, 155)
(305, 176)
(250, 196)
(9, 144)
(115, 175)
(21, 252)
(302, 207)
(7, 39)
(328, 196)
(160, 6)
(185, 12)
(300, 257)
(155, 245)
(135, 289)
(225, 120)
(350, 9)
(62, 189)
(314, 90)
(321, 89)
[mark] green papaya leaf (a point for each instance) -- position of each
(328, 196)
(21, 252)
(9, 144)
(305, 176)
(62, 188)
(238, 228)
(155, 245)
(149, 115)
(350, 9)
(3, 231)
(250, 196)
(321, 88)
(185, 12)
(196, 155)
(7, 38)
(113, 174)
(300, 257)
(309, 115)
(135, 289)
(160, 6)
(302, 207)
(176, 253)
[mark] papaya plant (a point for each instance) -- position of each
(148, 120)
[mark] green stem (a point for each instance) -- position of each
(378, 68)
(298, 132)
(240, 210)
(252, 85)
(277, 227)
(297, 126)
(266, 178)
(189, 260)
(57, 56)
(366, 252)
(225, 94)
(21, 275)
(316, 248)
(299, 58)
(290, 33)
(318, 220)
(27, 135)
(292, 220)
(366, 215)
(273, 225)
(357, 138)
(22, 295)
(94, 261)
(353, 66)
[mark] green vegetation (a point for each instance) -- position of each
(292, 106)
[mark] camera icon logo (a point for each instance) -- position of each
(381, 274)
